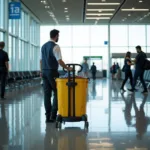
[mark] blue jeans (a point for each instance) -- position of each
(49, 85)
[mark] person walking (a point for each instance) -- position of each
(4, 68)
(85, 68)
(93, 70)
(139, 69)
(51, 58)
(127, 71)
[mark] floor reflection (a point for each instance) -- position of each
(140, 121)
(117, 121)
(4, 130)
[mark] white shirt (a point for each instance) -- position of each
(56, 52)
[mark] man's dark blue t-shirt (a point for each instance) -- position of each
(3, 59)
(140, 60)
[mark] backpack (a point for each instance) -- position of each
(146, 65)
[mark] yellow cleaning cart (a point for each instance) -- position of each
(72, 97)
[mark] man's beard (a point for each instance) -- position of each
(57, 40)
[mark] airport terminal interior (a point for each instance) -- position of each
(95, 31)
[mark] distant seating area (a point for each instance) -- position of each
(17, 79)
(146, 78)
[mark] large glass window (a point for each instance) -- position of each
(137, 35)
(20, 27)
(20, 56)
(45, 36)
(100, 51)
(14, 54)
(23, 24)
(119, 35)
(79, 53)
(2, 14)
(1, 36)
(19, 32)
(81, 36)
(148, 35)
(65, 36)
(10, 26)
(26, 29)
(10, 47)
(98, 35)
(121, 49)
(79, 41)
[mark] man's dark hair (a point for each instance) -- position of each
(2, 44)
(54, 33)
(138, 47)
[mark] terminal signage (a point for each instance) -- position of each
(105, 42)
(14, 10)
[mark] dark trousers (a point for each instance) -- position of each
(128, 75)
(3, 76)
(140, 74)
(49, 85)
(94, 75)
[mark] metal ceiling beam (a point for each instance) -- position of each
(123, 2)
(84, 10)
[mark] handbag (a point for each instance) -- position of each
(123, 68)
(146, 65)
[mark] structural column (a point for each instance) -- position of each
(109, 53)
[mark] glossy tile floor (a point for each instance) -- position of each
(117, 121)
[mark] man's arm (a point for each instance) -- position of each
(62, 64)
(41, 65)
(130, 63)
(58, 56)
(7, 65)
(6, 62)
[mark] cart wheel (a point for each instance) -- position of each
(84, 118)
(86, 126)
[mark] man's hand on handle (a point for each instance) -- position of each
(69, 68)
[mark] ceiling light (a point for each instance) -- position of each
(67, 19)
(98, 18)
(103, 3)
(99, 14)
(100, 9)
(123, 20)
(67, 16)
(66, 8)
(103, 0)
(63, 1)
(133, 9)
(129, 15)
(66, 11)
(44, 2)
(140, 1)
(47, 7)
